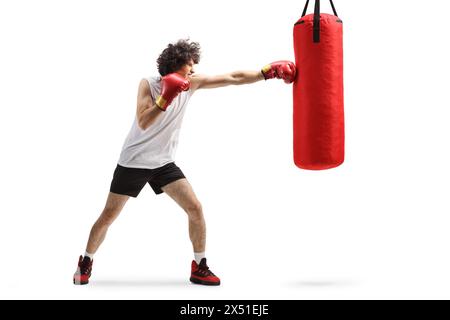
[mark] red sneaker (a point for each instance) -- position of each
(201, 274)
(84, 270)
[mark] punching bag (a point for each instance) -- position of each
(318, 90)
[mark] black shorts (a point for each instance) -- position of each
(130, 181)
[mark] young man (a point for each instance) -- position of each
(148, 152)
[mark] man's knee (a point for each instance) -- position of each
(194, 210)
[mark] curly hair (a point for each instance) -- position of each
(176, 55)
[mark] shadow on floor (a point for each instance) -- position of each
(140, 283)
(322, 283)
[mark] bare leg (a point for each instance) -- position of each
(181, 191)
(113, 207)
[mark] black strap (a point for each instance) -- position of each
(332, 6)
(334, 9)
(306, 8)
(316, 26)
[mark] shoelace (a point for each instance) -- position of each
(204, 271)
(85, 268)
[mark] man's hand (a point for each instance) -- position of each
(280, 69)
(171, 85)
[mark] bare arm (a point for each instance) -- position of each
(147, 111)
(233, 78)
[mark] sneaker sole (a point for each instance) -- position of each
(203, 282)
(79, 283)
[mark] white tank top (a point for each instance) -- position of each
(156, 146)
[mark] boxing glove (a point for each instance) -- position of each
(280, 69)
(171, 85)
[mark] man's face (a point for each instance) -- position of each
(187, 69)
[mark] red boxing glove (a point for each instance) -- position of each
(171, 85)
(280, 69)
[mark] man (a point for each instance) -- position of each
(148, 152)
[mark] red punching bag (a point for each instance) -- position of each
(318, 90)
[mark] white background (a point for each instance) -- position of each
(375, 227)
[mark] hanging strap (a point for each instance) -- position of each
(334, 9)
(332, 6)
(316, 25)
(306, 8)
